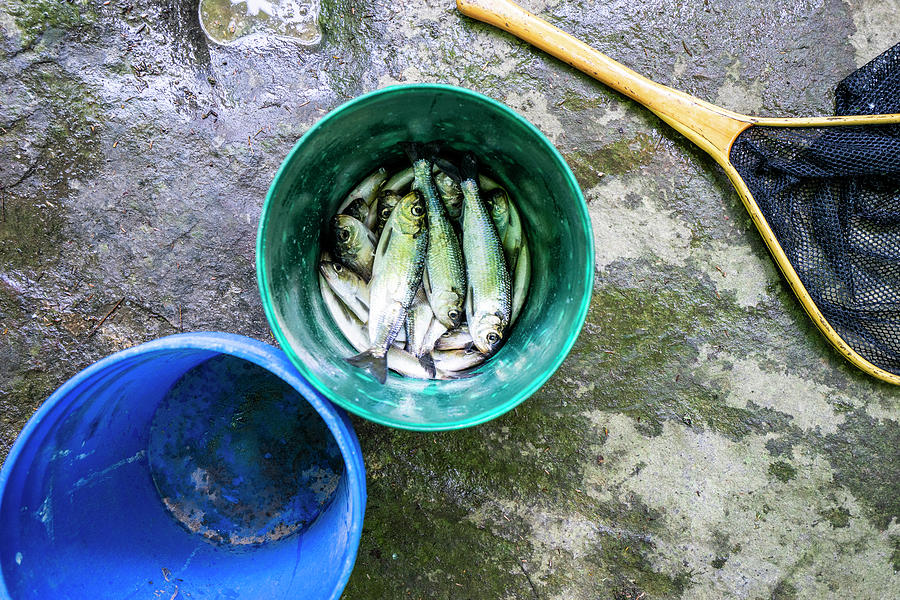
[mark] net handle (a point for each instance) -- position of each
(711, 127)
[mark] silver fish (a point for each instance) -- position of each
(358, 209)
(354, 331)
(451, 194)
(455, 339)
(348, 286)
(386, 202)
(489, 298)
(521, 280)
(445, 278)
(366, 189)
(354, 245)
(400, 181)
(418, 324)
(487, 184)
(508, 223)
(396, 275)
(461, 359)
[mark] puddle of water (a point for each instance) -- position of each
(226, 21)
(239, 457)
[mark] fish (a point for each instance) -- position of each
(461, 359)
(521, 281)
(387, 200)
(450, 192)
(355, 332)
(489, 295)
(486, 183)
(400, 181)
(445, 273)
(454, 339)
(508, 224)
(358, 209)
(396, 276)
(354, 245)
(366, 189)
(435, 332)
(348, 286)
(418, 325)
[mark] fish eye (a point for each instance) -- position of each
(343, 235)
(418, 210)
(385, 212)
(493, 337)
(453, 314)
(338, 267)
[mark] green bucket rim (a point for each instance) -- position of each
(307, 374)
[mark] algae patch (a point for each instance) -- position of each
(863, 454)
(838, 516)
(33, 18)
(645, 345)
(782, 471)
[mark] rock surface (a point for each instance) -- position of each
(702, 440)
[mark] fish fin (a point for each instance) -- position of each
(372, 237)
(428, 364)
(426, 284)
(449, 169)
(417, 151)
(408, 324)
(469, 167)
(376, 366)
(383, 242)
(414, 150)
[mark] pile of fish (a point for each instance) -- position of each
(428, 268)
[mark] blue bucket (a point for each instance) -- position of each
(198, 465)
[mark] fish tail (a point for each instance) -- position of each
(371, 363)
(414, 150)
(417, 151)
(428, 364)
(469, 167)
(449, 168)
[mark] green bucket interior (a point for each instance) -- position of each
(351, 142)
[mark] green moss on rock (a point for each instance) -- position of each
(34, 17)
(625, 560)
(863, 454)
(782, 471)
(642, 347)
(837, 516)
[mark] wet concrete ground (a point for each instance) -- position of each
(701, 441)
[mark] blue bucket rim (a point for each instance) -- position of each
(268, 357)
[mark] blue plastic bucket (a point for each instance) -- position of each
(201, 464)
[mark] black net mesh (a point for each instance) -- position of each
(832, 198)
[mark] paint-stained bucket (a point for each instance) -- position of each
(201, 464)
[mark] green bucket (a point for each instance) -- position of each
(351, 142)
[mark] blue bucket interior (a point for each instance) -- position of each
(82, 506)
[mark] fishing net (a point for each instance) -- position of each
(832, 198)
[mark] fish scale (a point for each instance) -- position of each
(396, 276)
(443, 261)
(490, 293)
